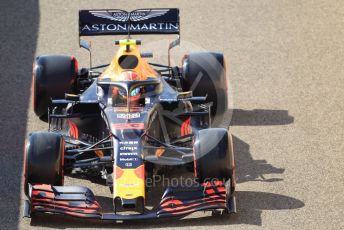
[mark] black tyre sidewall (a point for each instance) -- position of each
(52, 77)
(44, 153)
(213, 155)
(211, 68)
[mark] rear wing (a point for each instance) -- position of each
(120, 22)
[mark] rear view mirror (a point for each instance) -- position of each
(174, 43)
(170, 46)
(147, 54)
(85, 44)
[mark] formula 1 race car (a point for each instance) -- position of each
(128, 123)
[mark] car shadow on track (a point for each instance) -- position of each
(19, 31)
(249, 169)
(260, 117)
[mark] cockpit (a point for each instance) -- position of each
(128, 94)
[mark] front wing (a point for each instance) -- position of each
(80, 201)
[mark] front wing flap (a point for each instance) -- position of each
(71, 200)
(80, 202)
(181, 201)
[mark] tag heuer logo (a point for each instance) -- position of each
(128, 115)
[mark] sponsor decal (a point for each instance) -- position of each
(144, 27)
(123, 16)
(128, 115)
(129, 142)
(130, 148)
(128, 126)
(128, 155)
(128, 159)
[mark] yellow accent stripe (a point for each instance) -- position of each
(127, 42)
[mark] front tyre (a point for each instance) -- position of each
(43, 159)
(214, 157)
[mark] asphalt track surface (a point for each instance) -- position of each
(286, 74)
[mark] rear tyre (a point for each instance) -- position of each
(205, 74)
(52, 77)
(213, 156)
(43, 159)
